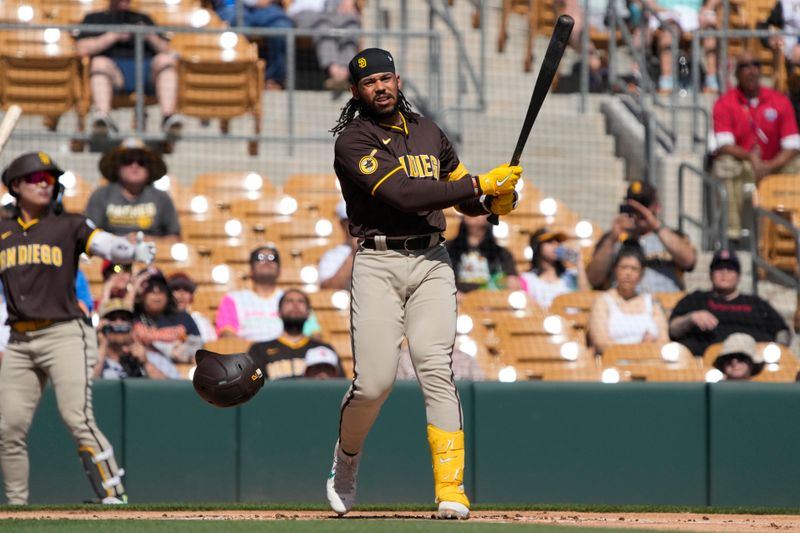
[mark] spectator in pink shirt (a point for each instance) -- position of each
(756, 135)
(252, 314)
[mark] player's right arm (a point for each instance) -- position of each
(374, 169)
(114, 248)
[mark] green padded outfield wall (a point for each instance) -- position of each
(755, 444)
(532, 442)
(630, 443)
(289, 430)
(178, 448)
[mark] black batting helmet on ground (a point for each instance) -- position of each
(226, 380)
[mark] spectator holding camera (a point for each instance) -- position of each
(549, 275)
(667, 252)
(120, 356)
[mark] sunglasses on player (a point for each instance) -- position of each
(39, 177)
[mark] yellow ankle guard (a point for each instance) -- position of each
(447, 452)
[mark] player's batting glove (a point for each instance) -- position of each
(500, 205)
(145, 251)
(500, 180)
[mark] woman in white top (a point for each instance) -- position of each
(549, 275)
(620, 315)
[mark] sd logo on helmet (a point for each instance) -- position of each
(226, 380)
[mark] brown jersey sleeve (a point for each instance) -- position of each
(84, 231)
(367, 163)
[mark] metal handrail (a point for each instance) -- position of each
(718, 220)
(758, 261)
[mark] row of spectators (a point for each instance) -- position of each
(637, 257)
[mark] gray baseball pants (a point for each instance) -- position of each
(397, 294)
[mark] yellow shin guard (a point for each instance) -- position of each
(447, 452)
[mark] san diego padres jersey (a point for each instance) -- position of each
(374, 162)
(38, 265)
(281, 358)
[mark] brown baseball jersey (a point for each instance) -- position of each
(375, 164)
(38, 265)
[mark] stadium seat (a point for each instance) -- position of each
(575, 306)
(536, 14)
(225, 187)
(229, 345)
(220, 77)
(41, 74)
(779, 193)
(321, 184)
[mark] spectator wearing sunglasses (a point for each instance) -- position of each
(130, 203)
(252, 314)
(756, 135)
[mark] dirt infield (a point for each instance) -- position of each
(656, 521)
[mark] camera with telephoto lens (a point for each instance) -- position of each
(626, 209)
(117, 328)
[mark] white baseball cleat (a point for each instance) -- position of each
(453, 511)
(342, 481)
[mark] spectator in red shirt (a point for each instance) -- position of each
(756, 135)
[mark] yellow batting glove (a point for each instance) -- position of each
(500, 205)
(500, 180)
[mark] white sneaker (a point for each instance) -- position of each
(342, 481)
(453, 511)
(113, 500)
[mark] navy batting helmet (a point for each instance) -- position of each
(226, 380)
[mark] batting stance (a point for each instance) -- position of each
(39, 251)
(397, 172)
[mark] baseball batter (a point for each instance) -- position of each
(39, 251)
(397, 172)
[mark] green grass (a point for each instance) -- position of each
(289, 526)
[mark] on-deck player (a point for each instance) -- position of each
(398, 171)
(39, 251)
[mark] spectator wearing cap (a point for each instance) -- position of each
(336, 265)
(739, 360)
(478, 261)
(667, 252)
(252, 314)
(130, 203)
(756, 135)
(549, 275)
(621, 315)
(287, 356)
(120, 355)
(183, 288)
(169, 335)
(703, 318)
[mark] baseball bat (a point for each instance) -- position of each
(548, 70)
(8, 124)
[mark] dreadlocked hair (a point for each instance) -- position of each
(354, 106)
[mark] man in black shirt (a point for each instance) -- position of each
(704, 318)
(113, 65)
(287, 356)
